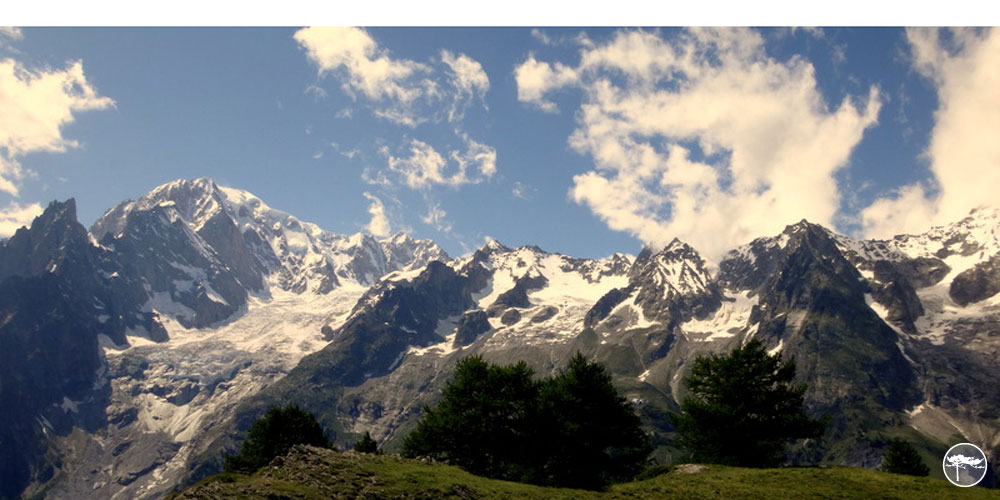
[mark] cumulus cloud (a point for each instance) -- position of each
(401, 90)
(379, 223)
(423, 167)
(702, 136)
(964, 153)
(535, 78)
(367, 68)
(34, 106)
(15, 215)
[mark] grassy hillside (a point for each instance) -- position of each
(307, 473)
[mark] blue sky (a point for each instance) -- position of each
(581, 141)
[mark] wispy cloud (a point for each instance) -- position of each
(11, 32)
(541, 36)
(469, 81)
(522, 191)
(435, 217)
(400, 90)
(964, 152)
(34, 107)
(702, 136)
(422, 166)
(410, 94)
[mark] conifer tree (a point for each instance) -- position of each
(743, 408)
(273, 435)
(366, 444)
(481, 423)
(901, 457)
(590, 434)
(572, 429)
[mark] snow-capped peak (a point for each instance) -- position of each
(678, 269)
(293, 255)
(493, 245)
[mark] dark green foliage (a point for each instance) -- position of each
(483, 422)
(273, 434)
(572, 429)
(590, 436)
(743, 408)
(366, 444)
(901, 457)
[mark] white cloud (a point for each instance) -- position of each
(424, 167)
(368, 69)
(703, 136)
(11, 32)
(469, 81)
(379, 223)
(375, 178)
(964, 152)
(436, 217)
(402, 91)
(34, 106)
(477, 157)
(541, 36)
(15, 215)
(906, 210)
(535, 78)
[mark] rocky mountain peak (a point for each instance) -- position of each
(750, 265)
(668, 286)
(54, 237)
(677, 269)
(401, 238)
(493, 246)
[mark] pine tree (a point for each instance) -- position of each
(366, 444)
(901, 457)
(743, 408)
(569, 430)
(273, 435)
(481, 423)
(590, 435)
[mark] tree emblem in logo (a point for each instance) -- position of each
(964, 465)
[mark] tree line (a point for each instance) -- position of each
(573, 428)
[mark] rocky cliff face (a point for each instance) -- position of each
(58, 300)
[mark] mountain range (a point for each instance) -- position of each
(133, 355)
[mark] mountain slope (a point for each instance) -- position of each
(838, 306)
(57, 301)
(137, 354)
(204, 295)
